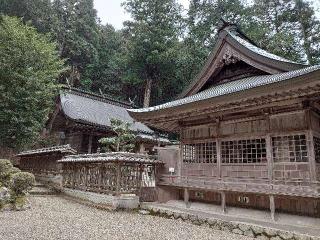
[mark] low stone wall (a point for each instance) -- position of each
(123, 201)
(249, 230)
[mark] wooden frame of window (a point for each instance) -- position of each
(199, 152)
(290, 148)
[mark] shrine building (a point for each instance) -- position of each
(249, 128)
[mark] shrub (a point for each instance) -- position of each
(6, 171)
(22, 182)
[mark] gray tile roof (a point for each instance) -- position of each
(236, 36)
(151, 138)
(61, 149)
(96, 111)
(232, 87)
(111, 157)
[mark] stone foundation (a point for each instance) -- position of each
(249, 230)
(123, 201)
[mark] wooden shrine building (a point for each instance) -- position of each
(81, 119)
(249, 127)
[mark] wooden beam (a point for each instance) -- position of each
(186, 198)
(272, 207)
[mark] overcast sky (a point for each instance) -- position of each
(110, 11)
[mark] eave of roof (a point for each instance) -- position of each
(240, 85)
(56, 149)
(152, 138)
(111, 157)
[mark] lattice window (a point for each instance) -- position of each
(199, 153)
(316, 142)
(244, 151)
(290, 148)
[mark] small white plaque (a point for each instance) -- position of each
(171, 170)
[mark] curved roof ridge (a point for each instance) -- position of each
(96, 96)
(258, 50)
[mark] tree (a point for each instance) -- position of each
(308, 28)
(123, 141)
(201, 24)
(30, 66)
(74, 26)
(37, 12)
(107, 71)
(153, 35)
(272, 28)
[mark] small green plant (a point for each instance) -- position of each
(124, 138)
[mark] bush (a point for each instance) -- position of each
(22, 182)
(6, 171)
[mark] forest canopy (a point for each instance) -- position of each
(157, 53)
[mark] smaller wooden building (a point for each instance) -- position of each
(81, 118)
(249, 127)
(43, 162)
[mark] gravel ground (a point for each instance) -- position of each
(54, 217)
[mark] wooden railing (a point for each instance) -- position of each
(108, 177)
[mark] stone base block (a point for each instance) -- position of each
(123, 201)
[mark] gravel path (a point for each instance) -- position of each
(53, 217)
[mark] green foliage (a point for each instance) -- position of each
(6, 172)
(21, 182)
(76, 31)
(36, 12)
(18, 183)
(123, 141)
(153, 39)
(30, 66)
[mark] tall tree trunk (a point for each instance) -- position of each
(147, 93)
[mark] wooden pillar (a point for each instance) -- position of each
(269, 149)
(272, 207)
(180, 156)
(218, 146)
(269, 157)
(186, 198)
(312, 158)
(118, 178)
(90, 144)
(223, 202)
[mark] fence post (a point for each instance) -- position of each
(118, 178)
